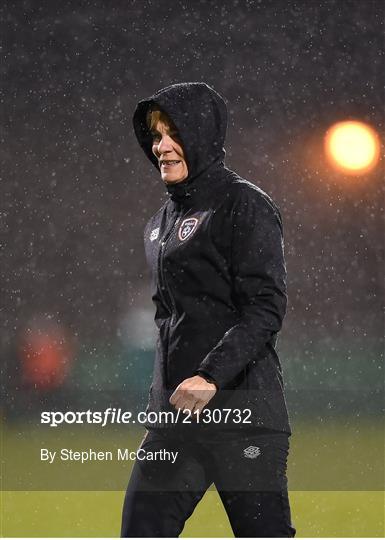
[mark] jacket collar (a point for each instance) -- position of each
(191, 192)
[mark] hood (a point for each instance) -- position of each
(200, 115)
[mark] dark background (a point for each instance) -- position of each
(78, 190)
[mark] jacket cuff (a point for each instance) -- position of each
(207, 377)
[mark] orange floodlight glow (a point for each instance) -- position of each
(352, 147)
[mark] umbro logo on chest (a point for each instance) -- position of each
(186, 228)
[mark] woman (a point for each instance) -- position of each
(215, 249)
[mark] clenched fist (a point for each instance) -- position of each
(193, 394)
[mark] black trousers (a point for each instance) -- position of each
(248, 470)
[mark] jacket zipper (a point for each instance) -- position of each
(163, 281)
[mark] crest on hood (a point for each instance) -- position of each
(200, 115)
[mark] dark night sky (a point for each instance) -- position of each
(77, 189)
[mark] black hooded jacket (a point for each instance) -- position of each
(215, 250)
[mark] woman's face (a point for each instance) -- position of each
(167, 147)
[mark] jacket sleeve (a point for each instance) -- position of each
(259, 288)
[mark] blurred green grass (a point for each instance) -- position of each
(336, 474)
(97, 514)
(334, 456)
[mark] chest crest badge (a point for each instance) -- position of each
(187, 227)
